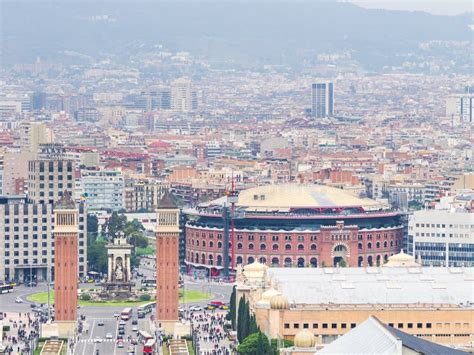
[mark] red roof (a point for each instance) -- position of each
(159, 144)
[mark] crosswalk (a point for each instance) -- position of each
(93, 340)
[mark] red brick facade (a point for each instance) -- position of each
(65, 276)
(323, 247)
(167, 276)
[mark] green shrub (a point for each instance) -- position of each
(85, 297)
(145, 297)
(6, 328)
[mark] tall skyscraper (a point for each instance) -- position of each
(459, 108)
(66, 228)
(322, 100)
(183, 96)
(167, 264)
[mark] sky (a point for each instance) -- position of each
(435, 7)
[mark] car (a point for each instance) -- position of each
(108, 336)
(141, 314)
(119, 337)
(195, 308)
(100, 324)
(121, 331)
(98, 340)
(135, 329)
(130, 350)
(224, 307)
(13, 284)
(120, 344)
(18, 300)
(133, 341)
(134, 321)
(116, 315)
(210, 307)
(122, 322)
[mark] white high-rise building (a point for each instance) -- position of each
(459, 108)
(32, 134)
(183, 96)
(322, 100)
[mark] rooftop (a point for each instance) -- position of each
(288, 196)
(376, 285)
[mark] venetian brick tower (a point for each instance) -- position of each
(167, 264)
(65, 263)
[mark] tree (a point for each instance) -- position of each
(232, 308)
(97, 256)
(92, 227)
(255, 344)
(116, 223)
(253, 327)
(242, 320)
(138, 240)
(342, 263)
(284, 344)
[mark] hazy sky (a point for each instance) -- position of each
(436, 7)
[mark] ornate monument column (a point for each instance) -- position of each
(65, 264)
(119, 276)
(167, 264)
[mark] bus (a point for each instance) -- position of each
(147, 308)
(6, 288)
(149, 346)
(126, 314)
(144, 336)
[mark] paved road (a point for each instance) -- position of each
(87, 344)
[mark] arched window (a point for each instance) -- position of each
(379, 258)
(197, 243)
(275, 238)
(210, 259)
(219, 245)
(391, 243)
(275, 261)
(239, 260)
(370, 261)
(219, 260)
(300, 246)
(288, 262)
(360, 261)
(239, 246)
(211, 244)
(263, 260)
(263, 246)
(359, 246)
(197, 257)
(385, 258)
(250, 246)
(340, 247)
(203, 258)
(275, 247)
(385, 244)
(250, 260)
(192, 257)
(313, 247)
(314, 262)
(377, 245)
(369, 245)
(203, 243)
(288, 247)
(192, 241)
(300, 262)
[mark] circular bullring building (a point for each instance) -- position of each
(294, 226)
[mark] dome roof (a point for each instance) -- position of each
(279, 302)
(285, 196)
(267, 295)
(255, 266)
(304, 339)
(401, 259)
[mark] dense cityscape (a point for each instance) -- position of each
(178, 202)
